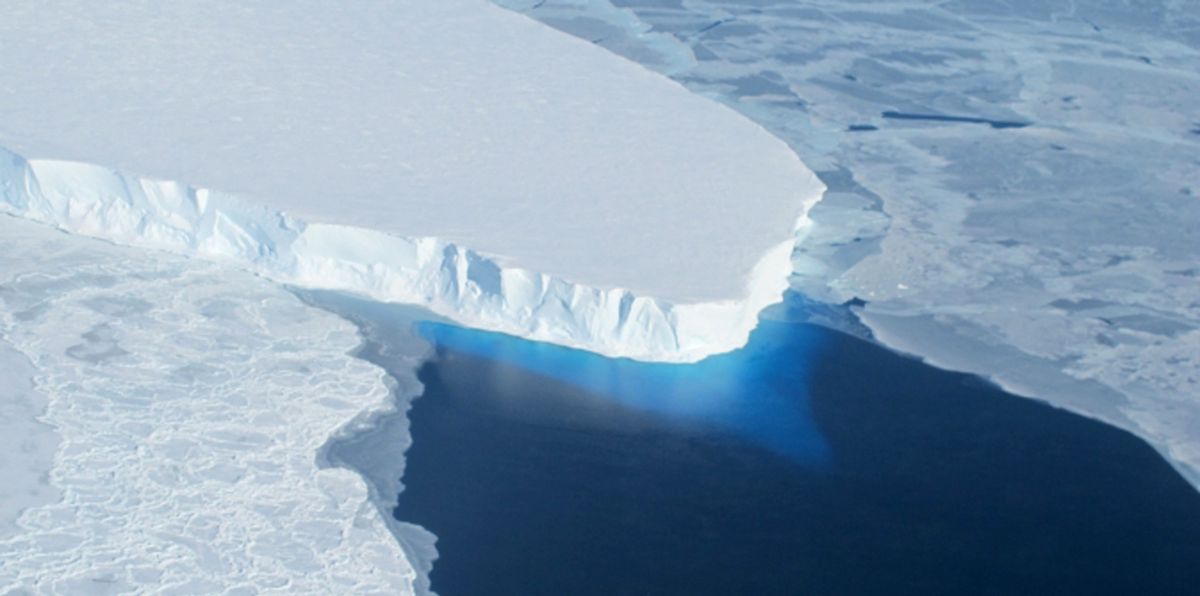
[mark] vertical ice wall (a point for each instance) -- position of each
(564, 193)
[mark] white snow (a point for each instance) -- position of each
(610, 208)
(193, 404)
(1058, 259)
(26, 444)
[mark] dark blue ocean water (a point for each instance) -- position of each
(811, 462)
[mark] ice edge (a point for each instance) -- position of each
(450, 280)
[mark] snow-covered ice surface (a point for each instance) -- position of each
(608, 207)
(193, 404)
(377, 444)
(1014, 187)
(26, 444)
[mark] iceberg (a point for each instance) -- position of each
(452, 154)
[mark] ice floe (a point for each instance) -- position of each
(192, 404)
(1013, 186)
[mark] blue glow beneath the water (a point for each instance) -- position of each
(758, 393)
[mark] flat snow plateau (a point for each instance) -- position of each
(605, 206)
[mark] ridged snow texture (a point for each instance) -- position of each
(450, 280)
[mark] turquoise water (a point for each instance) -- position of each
(710, 394)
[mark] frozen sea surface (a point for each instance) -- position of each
(1014, 187)
(191, 405)
(27, 444)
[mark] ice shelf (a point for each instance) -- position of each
(1020, 202)
(604, 206)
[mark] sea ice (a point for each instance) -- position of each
(26, 444)
(193, 404)
(1058, 258)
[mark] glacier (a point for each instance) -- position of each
(451, 154)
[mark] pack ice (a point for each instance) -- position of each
(449, 154)
(166, 423)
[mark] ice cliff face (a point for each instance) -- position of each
(451, 280)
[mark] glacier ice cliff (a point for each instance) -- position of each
(604, 205)
(451, 280)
